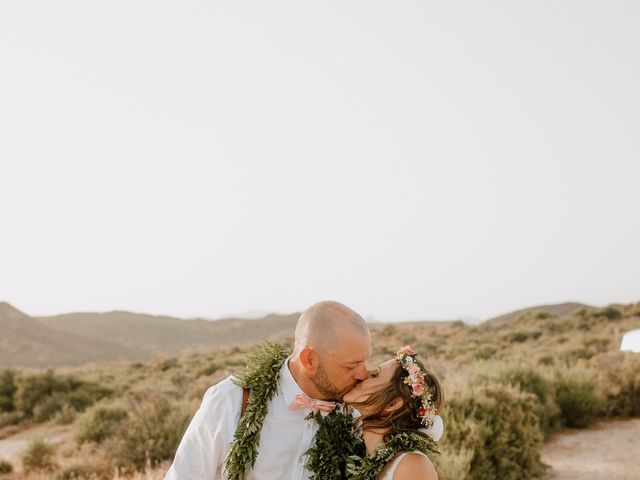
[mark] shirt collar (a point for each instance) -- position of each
(288, 384)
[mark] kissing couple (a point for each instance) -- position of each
(317, 412)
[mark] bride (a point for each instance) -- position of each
(399, 397)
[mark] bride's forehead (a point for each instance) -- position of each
(389, 364)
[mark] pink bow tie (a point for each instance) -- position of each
(305, 401)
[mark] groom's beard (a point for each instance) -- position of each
(328, 389)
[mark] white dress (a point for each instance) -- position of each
(392, 469)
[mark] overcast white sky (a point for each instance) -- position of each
(415, 160)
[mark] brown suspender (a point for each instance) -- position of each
(245, 400)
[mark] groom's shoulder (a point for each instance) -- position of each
(224, 392)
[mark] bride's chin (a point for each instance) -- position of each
(351, 398)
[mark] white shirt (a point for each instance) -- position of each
(285, 435)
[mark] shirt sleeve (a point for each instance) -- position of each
(205, 444)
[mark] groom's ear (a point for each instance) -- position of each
(309, 359)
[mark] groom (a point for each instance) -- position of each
(332, 343)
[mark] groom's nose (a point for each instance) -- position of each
(361, 373)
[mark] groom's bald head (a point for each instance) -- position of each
(332, 344)
(325, 326)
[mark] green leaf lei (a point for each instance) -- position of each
(339, 455)
(261, 376)
(334, 442)
(369, 467)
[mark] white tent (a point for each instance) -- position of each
(631, 341)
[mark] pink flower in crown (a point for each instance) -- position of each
(407, 349)
(413, 369)
(418, 389)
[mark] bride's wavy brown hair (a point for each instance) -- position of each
(405, 418)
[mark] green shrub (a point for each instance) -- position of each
(577, 396)
(581, 353)
(168, 363)
(33, 389)
(38, 456)
(10, 418)
(611, 313)
(528, 379)
(499, 425)
(209, 369)
(408, 339)
(485, 352)
(48, 407)
(42, 395)
(5, 467)
(531, 380)
(150, 434)
(620, 378)
(7, 390)
(546, 360)
(99, 423)
(519, 337)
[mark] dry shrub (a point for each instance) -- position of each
(620, 379)
(66, 415)
(453, 464)
(498, 424)
(5, 466)
(532, 380)
(39, 455)
(578, 396)
(87, 469)
(41, 396)
(99, 423)
(150, 434)
(10, 418)
(7, 390)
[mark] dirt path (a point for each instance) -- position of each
(608, 451)
(11, 448)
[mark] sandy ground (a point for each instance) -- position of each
(608, 451)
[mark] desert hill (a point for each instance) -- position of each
(556, 310)
(24, 341)
(168, 334)
(78, 338)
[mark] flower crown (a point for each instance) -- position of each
(416, 380)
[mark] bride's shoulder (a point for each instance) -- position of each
(415, 465)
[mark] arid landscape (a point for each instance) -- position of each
(544, 385)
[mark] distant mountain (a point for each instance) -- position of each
(24, 341)
(168, 334)
(79, 338)
(557, 310)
